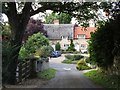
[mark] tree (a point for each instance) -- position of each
(57, 46)
(34, 26)
(63, 18)
(104, 44)
(101, 46)
(72, 46)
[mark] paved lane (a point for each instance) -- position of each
(67, 76)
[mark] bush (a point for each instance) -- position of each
(71, 47)
(57, 46)
(101, 46)
(44, 51)
(88, 60)
(73, 57)
(81, 65)
(33, 43)
(23, 53)
(7, 59)
(6, 32)
(67, 61)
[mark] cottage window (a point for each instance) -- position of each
(81, 36)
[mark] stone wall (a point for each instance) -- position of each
(42, 64)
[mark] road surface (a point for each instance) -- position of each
(67, 76)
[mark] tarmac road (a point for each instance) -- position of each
(67, 76)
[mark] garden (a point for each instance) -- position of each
(80, 61)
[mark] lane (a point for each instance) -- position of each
(67, 76)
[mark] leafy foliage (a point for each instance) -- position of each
(57, 46)
(6, 32)
(44, 51)
(73, 57)
(33, 43)
(81, 65)
(63, 18)
(101, 46)
(72, 46)
(33, 27)
(7, 58)
(69, 61)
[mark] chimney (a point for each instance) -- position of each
(56, 22)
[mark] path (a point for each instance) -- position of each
(67, 76)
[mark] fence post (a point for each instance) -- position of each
(20, 72)
(33, 71)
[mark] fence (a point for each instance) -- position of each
(24, 70)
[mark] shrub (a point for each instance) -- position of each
(71, 47)
(67, 61)
(101, 46)
(33, 43)
(73, 57)
(23, 53)
(7, 58)
(77, 57)
(57, 46)
(44, 51)
(81, 65)
(88, 60)
(6, 32)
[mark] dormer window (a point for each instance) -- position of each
(62, 37)
(81, 36)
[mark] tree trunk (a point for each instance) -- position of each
(18, 23)
(16, 42)
(17, 36)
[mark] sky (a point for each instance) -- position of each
(39, 16)
(73, 20)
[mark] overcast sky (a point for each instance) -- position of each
(100, 13)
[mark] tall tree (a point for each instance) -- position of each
(34, 26)
(63, 18)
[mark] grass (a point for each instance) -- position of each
(107, 81)
(70, 62)
(47, 74)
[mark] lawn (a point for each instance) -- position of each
(47, 74)
(107, 81)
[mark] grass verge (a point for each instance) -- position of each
(107, 81)
(47, 74)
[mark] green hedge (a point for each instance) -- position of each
(69, 62)
(73, 57)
